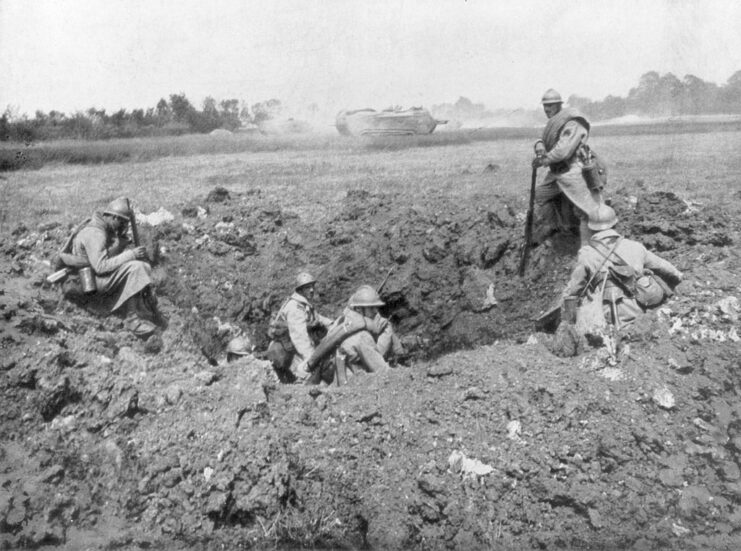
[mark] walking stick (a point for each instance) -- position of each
(528, 226)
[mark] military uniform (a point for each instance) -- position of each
(563, 137)
(366, 349)
(591, 257)
(294, 345)
(118, 275)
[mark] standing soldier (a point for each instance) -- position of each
(294, 331)
(564, 151)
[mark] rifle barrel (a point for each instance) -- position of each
(134, 229)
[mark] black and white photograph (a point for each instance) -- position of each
(370, 275)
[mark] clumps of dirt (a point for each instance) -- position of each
(502, 445)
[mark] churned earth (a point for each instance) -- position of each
(487, 435)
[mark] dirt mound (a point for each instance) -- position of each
(110, 442)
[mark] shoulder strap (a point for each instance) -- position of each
(67, 247)
(605, 259)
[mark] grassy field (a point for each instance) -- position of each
(310, 174)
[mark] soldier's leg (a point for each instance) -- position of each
(361, 348)
(546, 219)
(574, 187)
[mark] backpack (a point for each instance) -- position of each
(648, 289)
(278, 327)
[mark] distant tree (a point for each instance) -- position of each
(578, 102)
(119, 118)
(266, 110)
(731, 94)
(163, 113)
(230, 114)
(181, 107)
(137, 117)
(611, 107)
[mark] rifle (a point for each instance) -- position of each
(385, 279)
(147, 295)
(528, 226)
(134, 229)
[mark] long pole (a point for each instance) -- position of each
(525, 258)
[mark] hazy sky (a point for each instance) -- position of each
(74, 54)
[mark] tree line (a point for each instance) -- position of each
(667, 95)
(655, 95)
(168, 118)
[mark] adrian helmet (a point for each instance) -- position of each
(119, 207)
(551, 96)
(365, 296)
(303, 279)
(241, 346)
(602, 218)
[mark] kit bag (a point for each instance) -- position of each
(594, 169)
(648, 289)
(651, 289)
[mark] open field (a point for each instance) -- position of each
(163, 444)
(318, 171)
(34, 155)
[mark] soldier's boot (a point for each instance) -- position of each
(134, 321)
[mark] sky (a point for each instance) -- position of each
(70, 55)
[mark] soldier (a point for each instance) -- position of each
(616, 266)
(367, 348)
(564, 151)
(122, 275)
(295, 331)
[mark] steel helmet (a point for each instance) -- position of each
(119, 207)
(602, 218)
(241, 346)
(551, 96)
(303, 279)
(365, 296)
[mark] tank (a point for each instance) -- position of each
(390, 122)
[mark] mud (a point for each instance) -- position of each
(491, 436)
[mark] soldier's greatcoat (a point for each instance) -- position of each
(118, 275)
(564, 133)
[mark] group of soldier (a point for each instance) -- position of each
(308, 347)
(617, 273)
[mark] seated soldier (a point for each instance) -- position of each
(122, 275)
(295, 331)
(367, 348)
(617, 268)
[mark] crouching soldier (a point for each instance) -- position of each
(360, 337)
(619, 272)
(295, 330)
(115, 276)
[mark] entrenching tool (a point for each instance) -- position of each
(525, 258)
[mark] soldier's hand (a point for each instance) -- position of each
(140, 253)
(537, 162)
